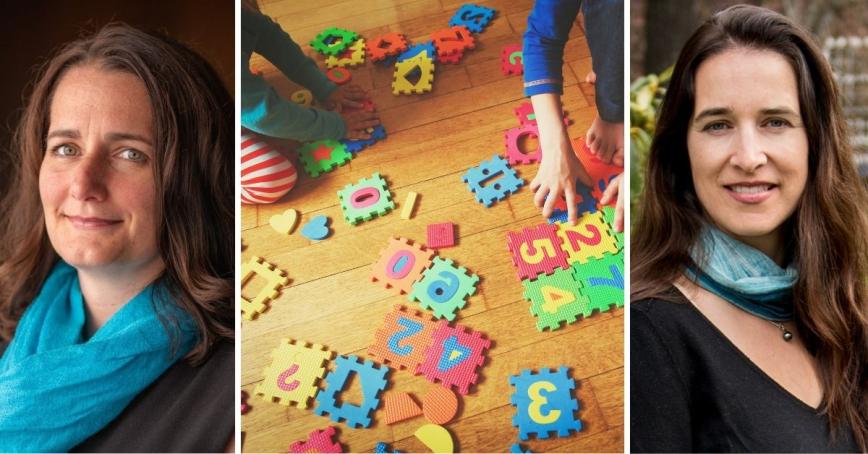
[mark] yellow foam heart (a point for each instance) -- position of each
(435, 437)
(284, 223)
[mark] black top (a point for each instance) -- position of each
(692, 390)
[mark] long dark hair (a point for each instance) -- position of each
(829, 230)
(194, 168)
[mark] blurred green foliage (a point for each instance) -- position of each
(646, 95)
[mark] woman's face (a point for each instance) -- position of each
(747, 146)
(96, 181)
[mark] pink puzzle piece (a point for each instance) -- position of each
(537, 250)
(454, 357)
(513, 152)
(525, 116)
(318, 441)
(441, 235)
(511, 60)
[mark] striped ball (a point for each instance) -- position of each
(266, 175)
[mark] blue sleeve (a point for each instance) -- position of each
(548, 27)
(604, 29)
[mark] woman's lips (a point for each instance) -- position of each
(752, 193)
(91, 223)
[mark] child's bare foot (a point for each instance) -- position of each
(606, 141)
(591, 78)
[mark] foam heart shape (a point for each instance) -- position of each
(317, 228)
(284, 223)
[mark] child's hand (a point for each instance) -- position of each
(350, 96)
(616, 189)
(557, 176)
(358, 123)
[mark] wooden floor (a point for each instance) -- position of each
(432, 140)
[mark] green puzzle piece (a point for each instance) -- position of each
(602, 280)
(556, 298)
(444, 288)
(333, 40)
(323, 156)
(368, 198)
(609, 216)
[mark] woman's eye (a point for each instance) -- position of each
(64, 150)
(718, 126)
(133, 155)
(777, 123)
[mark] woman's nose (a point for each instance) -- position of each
(749, 153)
(88, 179)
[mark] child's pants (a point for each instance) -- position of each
(266, 175)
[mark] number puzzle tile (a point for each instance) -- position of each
(427, 47)
(275, 280)
(492, 180)
(511, 60)
(353, 55)
(451, 59)
(439, 405)
(544, 403)
(403, 338)
(401, 264)
(303, 97)
(373, 380)
(609, 216)
(441, 235)
(399, 406)
(602, 281)
(436, 438)
(444, 288)
(365, 200)
(474, 17)
(355, 146)
(383, 447)
(318, 441)
(293, 373)
(513, 152)
(556, 299)
(454, 357)
(339, 76)
(536, 250)
(385, 46)
(451, 40)
(323, 156)
(408, 70)
(333, 40)
(590, 238)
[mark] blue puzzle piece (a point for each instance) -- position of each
(373, 380)
(492, 180)
(474, 17)
(544, 403)
(587, 204)
(355, 146)
(384, 448)
(416, 49)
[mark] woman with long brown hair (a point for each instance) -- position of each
(116, 253)
(749, 320)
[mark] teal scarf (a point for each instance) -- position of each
(56, 388)
(742, 275)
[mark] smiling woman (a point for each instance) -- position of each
(116, 259)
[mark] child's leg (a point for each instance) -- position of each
(604, 29)
(266, 175)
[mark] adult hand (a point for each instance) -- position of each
(346, 96)
(616, 189)
(358, 124)
(557, 176)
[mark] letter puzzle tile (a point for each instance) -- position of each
(385, 46)
(426, 47)
(333, 40)
(323, 156)
(544, 403)
(441, 235)
(590, 238)
(511, 60)
(556, 299)
(365, 200)
(275, 280)
(454, 357)
(609, 216)
(403, 338)
(401, 264)
(399, 406)
(318, 441)
(373, 380)
(407, 70)
(492, 180)
(452, 40)
(474, 17)
(525, 115)
(513, 151)
(353, 55)
(444, 288)
(602, 280)
(536, 250)
(293, 373)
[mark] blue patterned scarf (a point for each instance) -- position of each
(743, 275)
(56, 388)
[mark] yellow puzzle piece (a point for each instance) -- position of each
(275, 280)
(420, 68)
(436, 438)
(590, 237)
(293, 373)
(353, 56)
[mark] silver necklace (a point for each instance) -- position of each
(788, 336)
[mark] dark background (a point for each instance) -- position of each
(31, 30)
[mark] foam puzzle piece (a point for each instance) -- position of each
(318, 441)
(451, 40)
(285, 222)
(339, 76)
(511, 60)
(525, 115)
(556, 299)
(451, 59)
(401, 264)
(385, 448)
(293, 373)
(355, 146)
(492, 180)
(609, 216)
(596, 167)
(454, 357)
(440, 405)
(399, 406)
(441, 235)
(303, 97)
(590, 238)
(333, 40)
(544, 403)
(436, 438)
(444, 288)
(426, 47)
(365, 200)
(275, 279)
(403, 338)
(409, 205)
(373, 380)
(517, 448)
(602, 281)
(474, 17)
(536, 250)
(513, 152)
(317, 229)
(585, 203)
(323, 156)
(405, 70)
(245, 407)
(386, 46)
(353, 55)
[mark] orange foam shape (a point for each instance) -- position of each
(399, 406)
(440, 405)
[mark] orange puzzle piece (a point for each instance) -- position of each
(452, 40)
(401, 264)
(399, 406)
(402, 340)
(440, 405)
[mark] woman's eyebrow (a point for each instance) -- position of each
(713, 112)
(64, 133)
(113, 136)
(779, 111)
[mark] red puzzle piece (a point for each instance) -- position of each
(511, 60)
(513, 153)
(385, 46)
(454, 357)
(401, 264)
(452, 40)
(402, 340)
(601, 173)
(318, 441)
(441, 235)
(537, 250)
